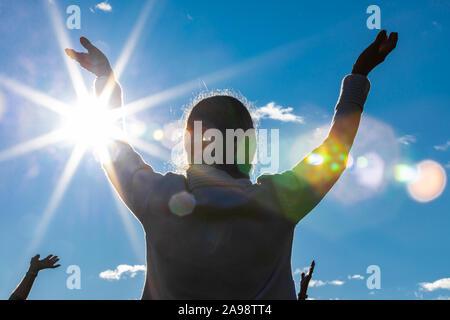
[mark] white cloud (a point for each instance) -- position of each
(407, 139)
(355, 276)
(122, 270)
(32, 172)
(336, 282)
(104, 6)
(2, 105)
(443, 147)
(436, 285)
(320, 283)
(299, 271)
(443, 298)
(276, 112)
(316, 283)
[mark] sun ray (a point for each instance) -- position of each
(153, 100)
(125, 216)
(34, 96)
(128, 49)
(57, 195)
(150, 148)
(64, 42)
(31, 145)
(226, 73)
(133, 39)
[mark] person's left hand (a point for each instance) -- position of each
(46, 263)
(375, 53)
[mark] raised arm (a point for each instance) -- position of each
(129, 174)
(23, 289)
(299, 190)
(96, 62)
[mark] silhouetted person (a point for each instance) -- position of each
(212, 233)
(304, 283)
(23, 289)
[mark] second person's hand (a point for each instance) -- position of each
(37, 265)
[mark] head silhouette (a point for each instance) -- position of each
(222, 114)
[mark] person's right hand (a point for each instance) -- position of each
(94, 60)
(49, 262)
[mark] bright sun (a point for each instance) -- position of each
(91, 126)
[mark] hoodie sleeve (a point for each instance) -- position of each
(299, 190)
(131, 177)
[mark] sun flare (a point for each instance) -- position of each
(91, 126)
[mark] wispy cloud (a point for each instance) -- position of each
(436, 285)
(276, 112)
(2, 105)
(32, 172)
(316, 283)
(443, 147)
(437, 25)
(104, 6)
(336, 282)
(407, 139)
(122, 271)
(299, 271)
(355, 276)
(320, 283)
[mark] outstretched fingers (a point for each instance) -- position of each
(81, 57)
(78, 56)
(311, 268)
(54, 260)
(393, 38)
(88, 45)
(381, 37)
(389, 44)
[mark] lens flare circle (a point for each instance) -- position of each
(405, 173)
(158, 135)
(182, 203)
(429, 183)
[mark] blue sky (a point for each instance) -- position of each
(293, 54)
